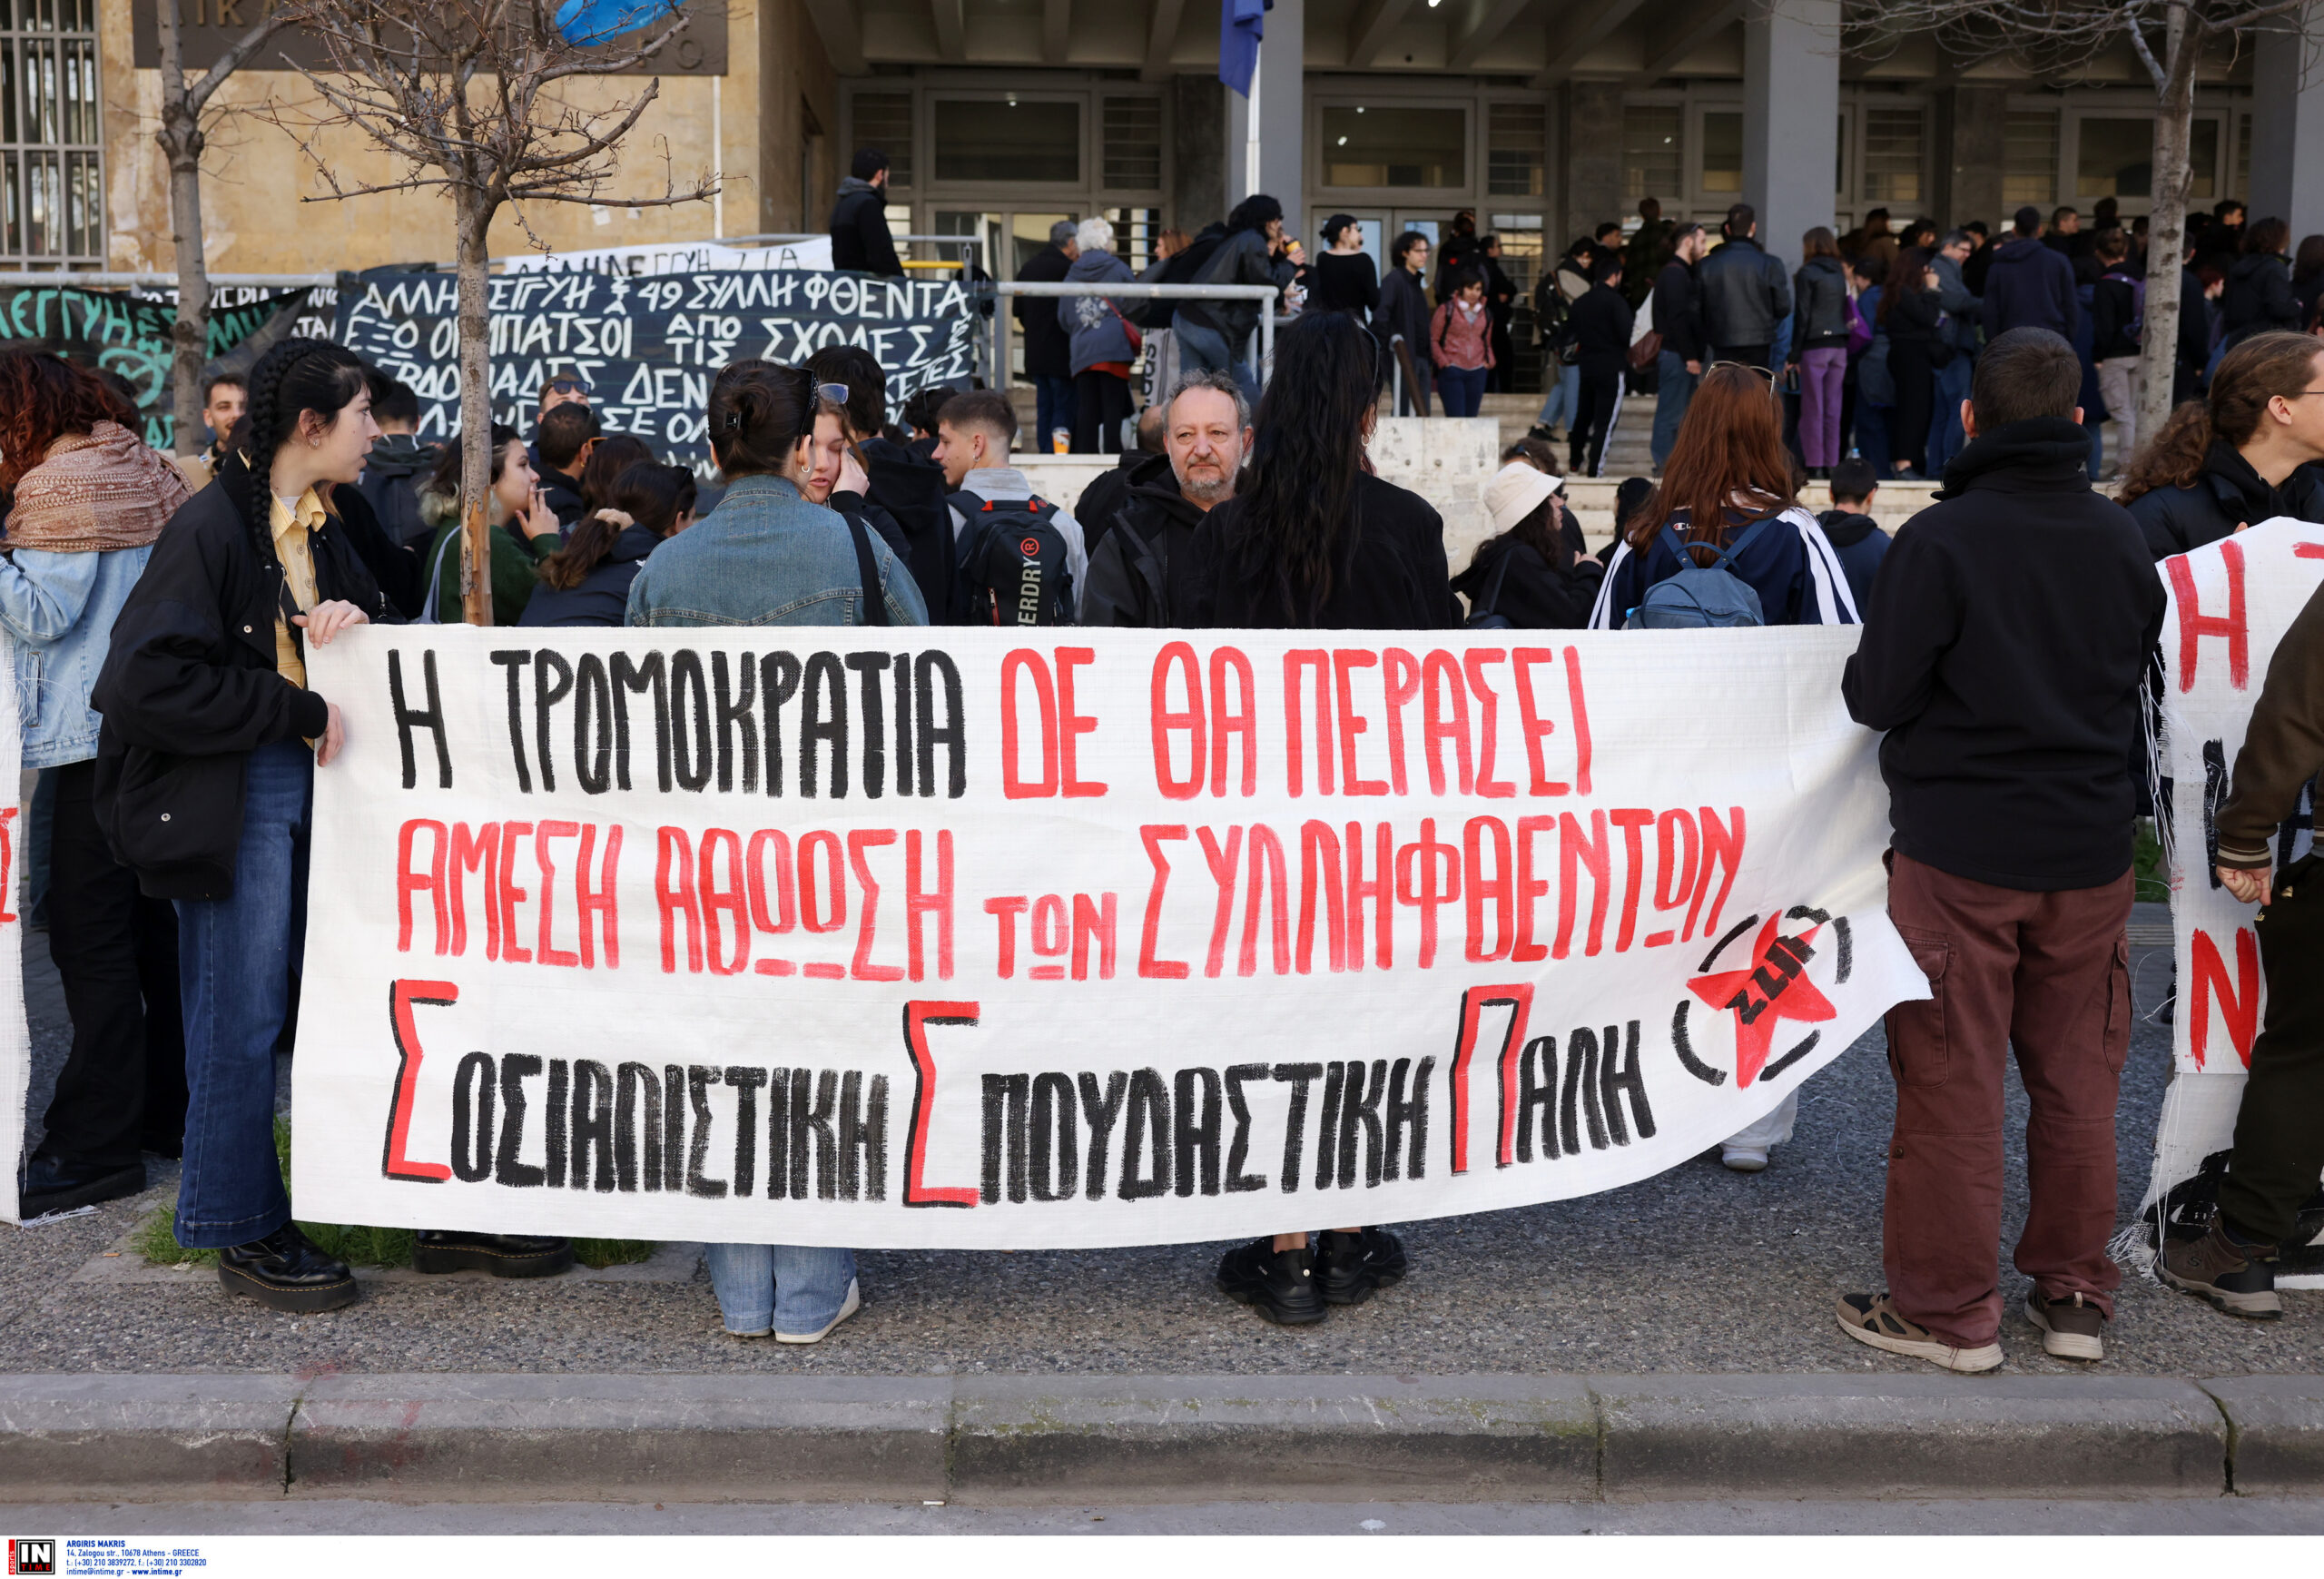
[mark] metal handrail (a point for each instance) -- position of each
(1261, 293)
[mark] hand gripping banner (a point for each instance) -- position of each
(1126, 938)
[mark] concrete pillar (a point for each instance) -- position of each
(1589, 175)
(2287, 123)
(1791, 105)
(1281, 82)
(1198, 151)
(1969, 122)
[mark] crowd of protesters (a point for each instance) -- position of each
(159, 619)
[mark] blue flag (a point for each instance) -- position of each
(1241, 25)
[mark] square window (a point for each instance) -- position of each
(1369, 145)
(995, 140)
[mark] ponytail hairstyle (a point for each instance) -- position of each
(615, 453)
(2253, 373)
(651, 495)
(43, 397)
(1298, 489)
(760, 413)
(294, 377)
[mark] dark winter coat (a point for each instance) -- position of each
(1679, 312)
(1049, 348)
(1179, 269)
(1141, 572)
(2004, 656)
(2113, 306)
(2229, 494)
(562, 494)
(1392, 574)
(189, 688)
(2030, 286)
(1104, 495)
(604, 592)
(908, 489)
(1602, 320)
(1404, 313)
(1535, 594)
(1243, 259)
(1746, 294)
(859, 237)
(393, 566)
(1819, 294)
(2258, 297)
(1860, 544)
(393, 475)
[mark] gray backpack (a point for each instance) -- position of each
(1700, 597)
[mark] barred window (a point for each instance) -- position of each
(2029, 159)
(1516, 134)
(1132, 159)
(1654, 152)
(882, 121)
(52, 199)
(1892, 155)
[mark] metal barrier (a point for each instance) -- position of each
(1264, 340)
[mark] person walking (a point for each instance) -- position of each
(861, 239)
(1104, 342)
(1314, 540)
(1908, 316)
(1459, 342)
(1602, 320)
(2029, 285)
(2003, 653)
(1141, 572)
(1400, 324)
(1528, 576)
(1962, 312)
(1679, 319)
(2279, 1143)
(1049, 348)
(89, 499)
(1217, 334)
(766, 556)
(522, 531)
(1746, 294)
(2244, 454)
(2258, 296)
(1343, 279)
(586, 581)
(2117, 309)
(1819, 348)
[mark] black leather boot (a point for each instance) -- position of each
(502, 1254)
(284, 1271)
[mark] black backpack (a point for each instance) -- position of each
(1012, 562)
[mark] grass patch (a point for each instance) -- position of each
(156, 1240)
(2152, 881)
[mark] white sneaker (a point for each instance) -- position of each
(1744, 1158)
(855, 1302)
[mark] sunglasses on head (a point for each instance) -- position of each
(1766, 373)
(835, 393)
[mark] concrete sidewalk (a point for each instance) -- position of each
(1018, 1440)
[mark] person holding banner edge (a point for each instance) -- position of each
(768, 555)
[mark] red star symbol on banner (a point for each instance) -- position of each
(1773, 987)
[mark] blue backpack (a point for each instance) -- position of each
(1701, 596)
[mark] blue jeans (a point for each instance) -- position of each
(235, 957)
(791, 1288)
(1462, 389)
(1056, 405)
(1564, 399)
(1945, 437)
(1200, 346)
(1674, 391)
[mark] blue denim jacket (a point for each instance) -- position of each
(58, 610)
(767, 556)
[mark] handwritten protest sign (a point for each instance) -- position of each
(932, 937)
(676, 258)
(650, 346)
(2229, 604)
(16, 1039)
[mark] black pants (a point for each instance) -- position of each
(1593, 418)
(122, 1087)
(1103, 402)
(1915, 378)
(2280, 1128)
(1751, 356)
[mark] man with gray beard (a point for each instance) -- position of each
(1138, 571)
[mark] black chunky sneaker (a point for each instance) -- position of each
(1280, 1284)
(502, 1254)
(2235, 1277)
(1350, 1268)
(285, 1271)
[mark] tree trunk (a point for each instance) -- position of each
(476, 413)
(180, 140)
(2166, 224)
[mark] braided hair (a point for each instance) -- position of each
(295, 377)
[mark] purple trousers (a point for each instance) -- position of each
(1821, 374)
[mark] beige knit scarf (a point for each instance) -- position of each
(94, 492)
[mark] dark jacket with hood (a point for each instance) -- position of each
(393, 475)
(1860, 544)
(908, 489)
(2113, 307)
(2030, 286)
(1179, 269)
(189, 688)
(1403, 312)
(2258, 297)
(1106, 493)
(1746, 294)
(1533, 594)
(562, 494)
(2004, 658)
(1049, 348)
(1243, 259)
(1679, 312)
(1392, 574)
(2227, 495)
(603, 596)
(1819, 306)
(1141, 570)
(860, 238)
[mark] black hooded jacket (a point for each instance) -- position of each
(2004, 655)
(2229, 494)
(189, 688)
(2258, 298)
(393, 474)
(603, 597)
(1533, 594)
(1140, 570)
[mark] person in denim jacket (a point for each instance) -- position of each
(767, 556)
(90, 500)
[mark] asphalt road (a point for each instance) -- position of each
(1697, 1269)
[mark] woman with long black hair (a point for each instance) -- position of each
(1908, 314)
(1312, 541)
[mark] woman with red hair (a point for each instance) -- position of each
(90, 500)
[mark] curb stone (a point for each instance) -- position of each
(1030, 1439)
